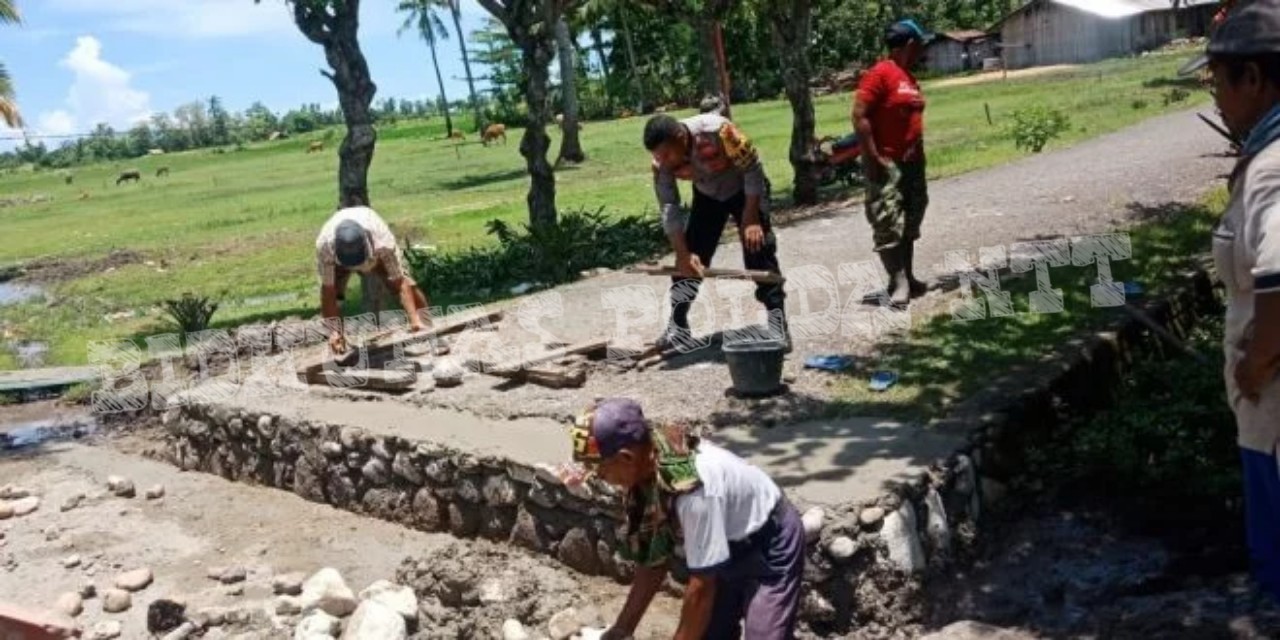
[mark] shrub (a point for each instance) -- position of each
(1139, 104)
(1033, 128)
(550, 255)
(190, 313)
(1175, 95)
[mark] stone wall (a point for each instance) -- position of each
(867, 564)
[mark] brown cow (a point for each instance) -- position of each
(318, 145)
(126, 176)
(162, 172)
(493, 132)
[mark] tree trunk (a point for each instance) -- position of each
(709, 76)
(444, 99)
(570, 146)
(536, 52)
(597, 40)
(355, 94)
(466, 64)
(631, 59)
(791, 34)
(722, 69)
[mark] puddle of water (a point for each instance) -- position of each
(22, 435)
(16, 293)
(31, 353)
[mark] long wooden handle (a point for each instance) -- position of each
(764, 277)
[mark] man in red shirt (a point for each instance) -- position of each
(888, 114)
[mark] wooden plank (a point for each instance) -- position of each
(312, 370)
(514, 369)
(377, 379)
(557, 379)
(763, 277)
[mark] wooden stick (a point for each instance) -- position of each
(377, 379)
(1145, 319)
(517, 369)
(763, 277)
(312, 370)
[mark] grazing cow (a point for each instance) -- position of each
(162, 171)
(126, 176)
(318, 145)
(493, 132)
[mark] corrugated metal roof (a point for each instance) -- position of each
(1122, 8)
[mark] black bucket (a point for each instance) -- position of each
(755, 366)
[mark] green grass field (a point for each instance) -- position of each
(241, 225)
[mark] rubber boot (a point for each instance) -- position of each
(899, 287)
(917, 287)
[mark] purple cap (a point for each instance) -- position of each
(610, 426)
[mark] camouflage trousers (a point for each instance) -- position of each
(895, 207)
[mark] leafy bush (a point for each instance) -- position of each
(579, 241)
(1033, 128)
(1175, 95)
(190, 313)
(1170, 440)
(1139, 104)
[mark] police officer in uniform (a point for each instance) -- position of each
(728, 181)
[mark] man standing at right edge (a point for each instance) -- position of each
(888, 114)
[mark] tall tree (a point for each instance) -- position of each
(455, 12)
(8, 106)
(531, 23)
(219, 122)
(792, 34)
(570, 146)
(706, 16)
(421, 15)
(335, 25)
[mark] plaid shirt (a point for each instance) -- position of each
(383, 253)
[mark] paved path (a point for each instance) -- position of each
(1086, 189)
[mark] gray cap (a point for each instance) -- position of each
(350, 245)
(1251, 29)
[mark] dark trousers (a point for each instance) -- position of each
(1262, 518)
(707, 220)
(759, 591)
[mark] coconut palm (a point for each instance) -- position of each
(455, 11)
(422, 16)
(8, 107)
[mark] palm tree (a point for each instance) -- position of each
(8, 107)
(455, 10)
(421, 15)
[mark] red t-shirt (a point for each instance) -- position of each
(896, 108)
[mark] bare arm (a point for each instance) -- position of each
(695, 615)
(643, 588)
(866, 135)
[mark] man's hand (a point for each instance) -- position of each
(753, 238)
(1252, 375)
(879, 169)
(415, 325)
(690, 266)
(337, 343)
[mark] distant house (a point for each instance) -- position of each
(1044, 32)
(954, 51)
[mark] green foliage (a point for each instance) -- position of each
(1176, 95)
(190, 313)
(1170, 439)
(544, 255)
(1139, 104)
(80, 393)
(1033, 128)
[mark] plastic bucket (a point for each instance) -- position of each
(755, 366)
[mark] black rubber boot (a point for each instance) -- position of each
(917, 287)
(899, 288)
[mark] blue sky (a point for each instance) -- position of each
(79, 62)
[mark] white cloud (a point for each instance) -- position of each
(185, 18)
(100, 92)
